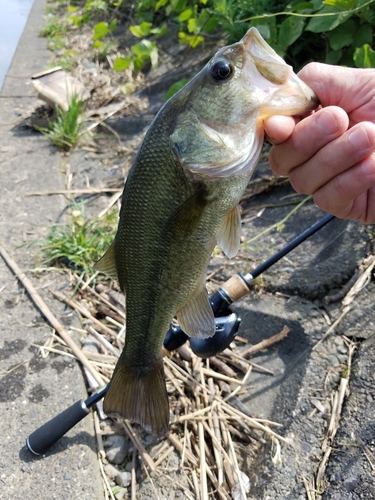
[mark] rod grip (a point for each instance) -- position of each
(43, 438)
(235, 287)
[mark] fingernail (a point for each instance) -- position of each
(326, 121)
(359, 138)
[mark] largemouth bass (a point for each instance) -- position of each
(180, 199)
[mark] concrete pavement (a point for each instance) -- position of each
(32, 389)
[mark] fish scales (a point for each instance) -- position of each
(180, 199)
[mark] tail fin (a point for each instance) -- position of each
(140, 397)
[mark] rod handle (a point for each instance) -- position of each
(43, 438)
(235, 287)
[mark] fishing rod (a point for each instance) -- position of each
(227, 325)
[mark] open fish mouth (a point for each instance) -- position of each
(288, 94)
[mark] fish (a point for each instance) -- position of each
(180, 199)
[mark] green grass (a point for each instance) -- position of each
(55, 27)
(79, 245)
(66, 130)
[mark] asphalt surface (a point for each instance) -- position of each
(32, 389)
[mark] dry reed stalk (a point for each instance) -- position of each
(193, 415)
(179, 446)
(215, 428)
(107, 345)
(114, 322)
(164, 456)
(104, 310)
(193, 472)
(236, 467)
(139, 445)
(239, 386)
(98, 434)
(219, 365)
(203, 474)
(74, 191)
(264, 344)
(51, 318)
(133, 488)
(104, 358)
(83, 311)
(101, 297)
(253, 422)
(184, 352)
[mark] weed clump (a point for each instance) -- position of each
(65, 131)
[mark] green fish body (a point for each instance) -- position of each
(180, 200)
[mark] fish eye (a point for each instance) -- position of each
(221, 70)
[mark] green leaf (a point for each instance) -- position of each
(138, 65)
(98, 44)
(333, 57)
(192, 40)
(75, 20)
(363, 35)
(341, 4)
(145, 51)
(264, 30)
(173, 89)
(160, 3)
(220, 6)
(112, 25)
(142, 49)
(364, 57)
(185, 15)
(202, 19)
(159, 31)
(342, 36)
(121, 63)
(290, 29)
(178, 5)
(211, 24)
(72, 9)
(192, 24)
(327, 22)
(304, 8)
(141, 31)
(100, 31)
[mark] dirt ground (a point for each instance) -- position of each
(308, 369)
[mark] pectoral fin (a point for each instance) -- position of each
(196, 317)
(186, 218)
(228, 236)
(107, 264)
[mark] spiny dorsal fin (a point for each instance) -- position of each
(196, 317)
(107, 264)
(228, 236)
(140, 396)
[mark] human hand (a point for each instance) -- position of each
(330, 154)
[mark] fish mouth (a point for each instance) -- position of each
(287, 93)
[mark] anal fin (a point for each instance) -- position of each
(196, 318)
(140, 396)
(229, 235)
